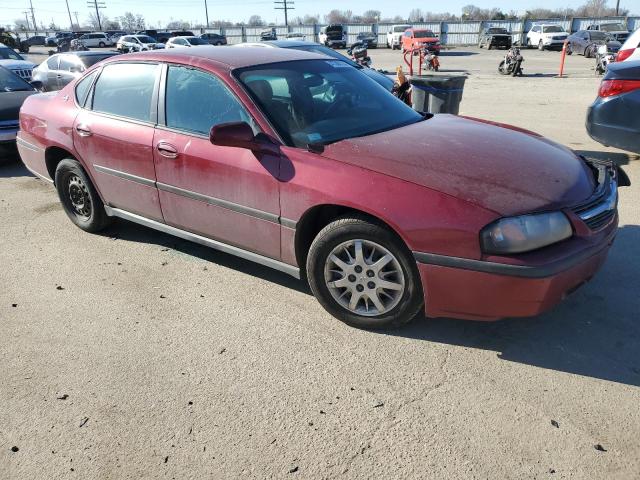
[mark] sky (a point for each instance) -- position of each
(159, 12)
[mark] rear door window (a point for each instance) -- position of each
(126, 90)
(82, 88)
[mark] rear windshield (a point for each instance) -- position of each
(423, 34)
(89, 60)
(613, 27)
(197, 41)
(552, 29)
(145, 39)
(498, 30)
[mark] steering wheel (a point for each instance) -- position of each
(338, 99)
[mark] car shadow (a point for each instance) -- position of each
(453, 53)
(11, 166)
(595, 332)
(619, 158)
(122, 230)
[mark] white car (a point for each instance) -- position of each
(546, 35)
(630, 49)
(183, 42)
(394, 36)
(137, 43)
(96, 39)
(12, 60)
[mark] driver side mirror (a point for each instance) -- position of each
(240, 135)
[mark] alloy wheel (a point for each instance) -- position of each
(364, 277)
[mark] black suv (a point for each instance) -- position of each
(214, 38)
(494, 37)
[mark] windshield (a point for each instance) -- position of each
(401, 28)
(552, 29)
(315, 48)
(89, 60)
(197, 41)
(365, 34)
(323, 101)
(423, 34)
(12, 83)
(498, 30)
(612, 27)
(9, 54)
(598, 36)
(145, 39)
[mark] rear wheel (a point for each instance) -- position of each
(365, 276)
(540, 46)
(79, 198)
(101, 45)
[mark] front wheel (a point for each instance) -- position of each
(540, 46)
(101, 45)
(501, 68)
(364, 275)
(79, 198)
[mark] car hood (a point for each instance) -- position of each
(504, 169)
(17, 64)
(10, 103)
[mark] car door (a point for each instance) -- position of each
(225, 193)
(114, 136)
(52, 72)
(69, 68)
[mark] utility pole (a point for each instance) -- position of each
(33, 18)
(26, 17)
(69, 12)
(617, 8)
(286, 7)
(77, 21)
(97, 5)
(206, 12)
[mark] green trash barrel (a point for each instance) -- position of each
(437, 93)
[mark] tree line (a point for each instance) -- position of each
(130, 21)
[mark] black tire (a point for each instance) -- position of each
(351, 228)
(489, 46)
(94, 218)
(540, 46)
(501, 68)
(101, 45)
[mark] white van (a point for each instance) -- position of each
(394, 34)
(97, 39)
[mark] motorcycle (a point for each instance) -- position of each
(359, 54)
(604, 56)
(512, 63)
(68, 45)
(431, 60)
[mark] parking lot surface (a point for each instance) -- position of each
(133, 354)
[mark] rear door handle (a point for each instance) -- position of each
(167, 150)
(83, 131)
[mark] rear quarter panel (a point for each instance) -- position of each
(46, 120)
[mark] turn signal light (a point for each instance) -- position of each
(609, 88)
(624, 54)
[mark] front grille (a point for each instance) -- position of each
(559, 37)
(599, 210)
(23, 73)
(9, 125)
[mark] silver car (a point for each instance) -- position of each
(60, 69)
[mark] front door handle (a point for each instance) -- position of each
(83, 131)
(167, 150)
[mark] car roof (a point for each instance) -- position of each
(286, 43)
(183, 36)
(89, 53)
(230, 58)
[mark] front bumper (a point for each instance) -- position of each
(336, 43)
(549, 42)
(488, 290)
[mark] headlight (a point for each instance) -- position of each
(525, 233)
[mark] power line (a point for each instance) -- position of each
(285, 6)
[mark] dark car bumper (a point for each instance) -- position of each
(614, 121)
(500, 42)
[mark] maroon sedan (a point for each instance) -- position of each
(302, 163)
